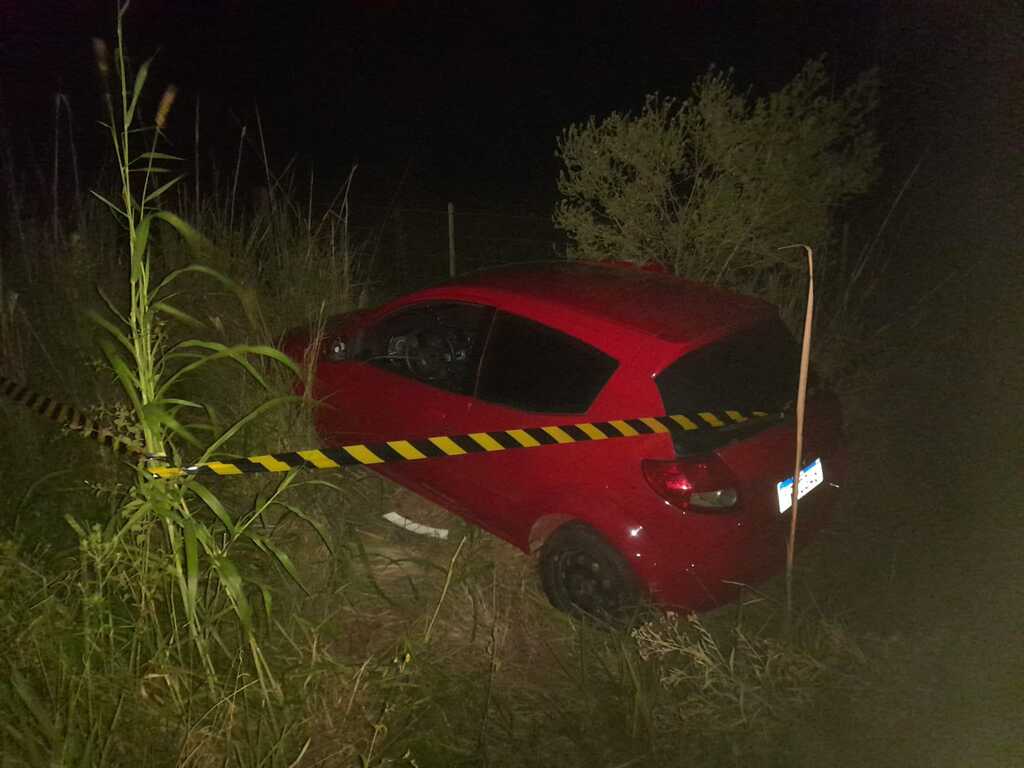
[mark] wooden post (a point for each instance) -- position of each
(801, 399)
(451, 239)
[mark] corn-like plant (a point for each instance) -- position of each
(181, 527)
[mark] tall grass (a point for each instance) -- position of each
(198, 534)
(169, 599)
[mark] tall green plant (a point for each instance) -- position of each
(183, 530)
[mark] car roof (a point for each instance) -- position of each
(652, 303)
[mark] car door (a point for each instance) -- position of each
(409, 374)
(531, 375)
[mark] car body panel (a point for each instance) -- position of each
(658, 305)
(645, 322)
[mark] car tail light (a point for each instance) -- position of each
(702, 484)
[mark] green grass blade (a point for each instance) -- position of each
(155, 415)
(255, 413)
(191, 565)
(111, 307)
(209, 498)
(190, 235)
(364, 560)
(132, 513)
(182, 317)
(112, 329)
(180, 403)
(75, 526)
(155, 171)
(316, 525)
(267, 545)
(231, 581)
(246, 297)
(162, 188)
(202, 269)
(238, 353)
(268, 601)
(112, 206)
(140, 81)
(142, 235)
(159, 156)
(129, 382)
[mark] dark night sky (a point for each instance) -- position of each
(465, 97)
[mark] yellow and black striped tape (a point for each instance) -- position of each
(459, 445)
(378, 453)
(68, 416)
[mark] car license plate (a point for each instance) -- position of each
(811, 477)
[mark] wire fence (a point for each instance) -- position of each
(408, 247)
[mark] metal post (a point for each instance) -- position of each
(451, 239)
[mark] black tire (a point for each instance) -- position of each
(584, 576)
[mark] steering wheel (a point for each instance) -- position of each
(430, 355)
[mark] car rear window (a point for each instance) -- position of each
(532, 367)
(753, 370)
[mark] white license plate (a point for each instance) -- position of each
(811, 477)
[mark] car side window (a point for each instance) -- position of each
(437, 344)
(532, 367)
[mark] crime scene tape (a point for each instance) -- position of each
(68, 416)
(459, 445)
(360, 454)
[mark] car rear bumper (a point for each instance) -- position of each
(746, 554)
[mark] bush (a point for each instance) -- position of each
(712, 187)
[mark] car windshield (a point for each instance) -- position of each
(756, 369)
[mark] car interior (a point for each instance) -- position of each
(435, 344)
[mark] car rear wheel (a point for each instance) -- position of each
(584, 575)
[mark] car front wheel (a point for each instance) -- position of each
(583, 575)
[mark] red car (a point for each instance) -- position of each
(681, 515)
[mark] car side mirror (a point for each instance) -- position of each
(335, 349)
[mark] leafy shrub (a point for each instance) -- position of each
(712, 186)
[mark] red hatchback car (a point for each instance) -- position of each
(680, 516)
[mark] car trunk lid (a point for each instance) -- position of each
(764, 459)
(753, 370)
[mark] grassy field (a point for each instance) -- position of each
(333, 637)
(387, 648)
(261, 623)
